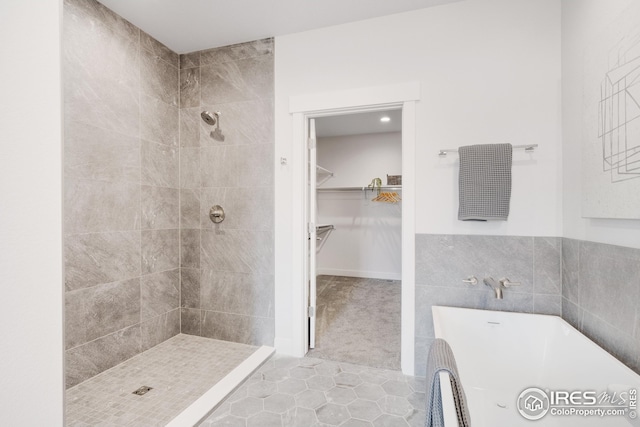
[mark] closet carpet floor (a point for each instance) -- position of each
(358, 321)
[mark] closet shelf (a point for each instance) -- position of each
(322, 175)
(324, 228)
(323, 170)
(338, 189)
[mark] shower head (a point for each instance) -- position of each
(209, 118)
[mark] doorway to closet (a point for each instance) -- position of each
(355, 256)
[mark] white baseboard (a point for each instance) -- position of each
(201, 408)
(357, 273)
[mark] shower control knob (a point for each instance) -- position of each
(216, 214)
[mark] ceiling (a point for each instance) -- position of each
(359, 123)
(191, 25)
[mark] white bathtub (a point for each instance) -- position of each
(500, 354)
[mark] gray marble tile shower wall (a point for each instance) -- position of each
(227, 269)
(121, 180)
(443, 261)
(601, 295)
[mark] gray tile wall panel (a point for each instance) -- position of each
(121, 180)
(228, 291)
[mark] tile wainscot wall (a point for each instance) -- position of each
(593, 286)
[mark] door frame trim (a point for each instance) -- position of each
(304, 107)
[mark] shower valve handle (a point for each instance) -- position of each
(216, 214)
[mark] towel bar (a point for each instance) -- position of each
(529, 148)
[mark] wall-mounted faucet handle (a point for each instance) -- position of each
(471, 280)
(508, 283)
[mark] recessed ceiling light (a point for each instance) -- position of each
(385, 119)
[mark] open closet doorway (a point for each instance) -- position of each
(355, 237)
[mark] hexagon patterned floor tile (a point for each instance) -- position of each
(308, 392)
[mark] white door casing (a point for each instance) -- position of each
(303, 108)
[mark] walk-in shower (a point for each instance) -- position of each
(162, 308)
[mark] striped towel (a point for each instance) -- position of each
(441, 359)
(485, 182)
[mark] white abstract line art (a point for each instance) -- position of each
(619, 112)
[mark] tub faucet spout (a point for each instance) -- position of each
(495, 285)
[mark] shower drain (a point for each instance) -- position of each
(142, 390)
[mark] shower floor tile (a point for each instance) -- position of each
(179, 371)
(309, 392)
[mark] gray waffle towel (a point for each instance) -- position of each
(485, 182)
(441, 359)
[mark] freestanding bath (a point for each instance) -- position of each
(533, 370)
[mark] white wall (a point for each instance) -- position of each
(582, 22)
(489, 71)
(31, 360)
(357, 159)
(367, 240)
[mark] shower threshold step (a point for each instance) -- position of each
(208, 402)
